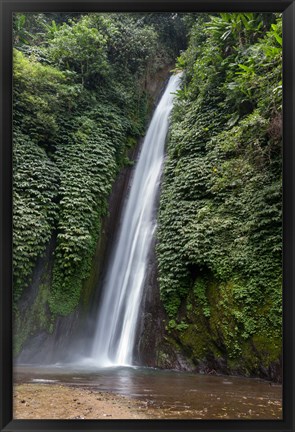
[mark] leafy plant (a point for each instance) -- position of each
(219, 230)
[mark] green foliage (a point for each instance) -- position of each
(177, 326)
(171, 29)
(36, 98)
(200, 294)
(132, 46)
(220, 216)
(35, 180)
(88, 167)
(235, 27)
(79, 106)
(82, 49)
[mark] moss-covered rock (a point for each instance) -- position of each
(214, 339)
(220, 218)
(33, 315)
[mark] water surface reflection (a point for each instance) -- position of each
(170, 394)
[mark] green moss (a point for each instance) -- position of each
(270, 349)
(162, 359)
(167, 352)
(232, 332)
(196, 339)
(33, 319)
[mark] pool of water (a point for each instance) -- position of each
(169, 394)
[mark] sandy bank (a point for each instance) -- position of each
(67, 401)
(51, 401)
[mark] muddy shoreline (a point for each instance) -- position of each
(66, 401)
(55, 401)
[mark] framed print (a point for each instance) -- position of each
(147, 215)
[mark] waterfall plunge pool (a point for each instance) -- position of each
(168, 394)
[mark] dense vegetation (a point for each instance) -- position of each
(219, 239)
(81, 101)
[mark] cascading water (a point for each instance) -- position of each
(122, 290)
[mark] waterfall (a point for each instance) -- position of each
(122, 290)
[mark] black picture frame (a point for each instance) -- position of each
(8, 7)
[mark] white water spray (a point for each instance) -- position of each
(122, 290)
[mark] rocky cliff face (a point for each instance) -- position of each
(154, 347)
(198, 347)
